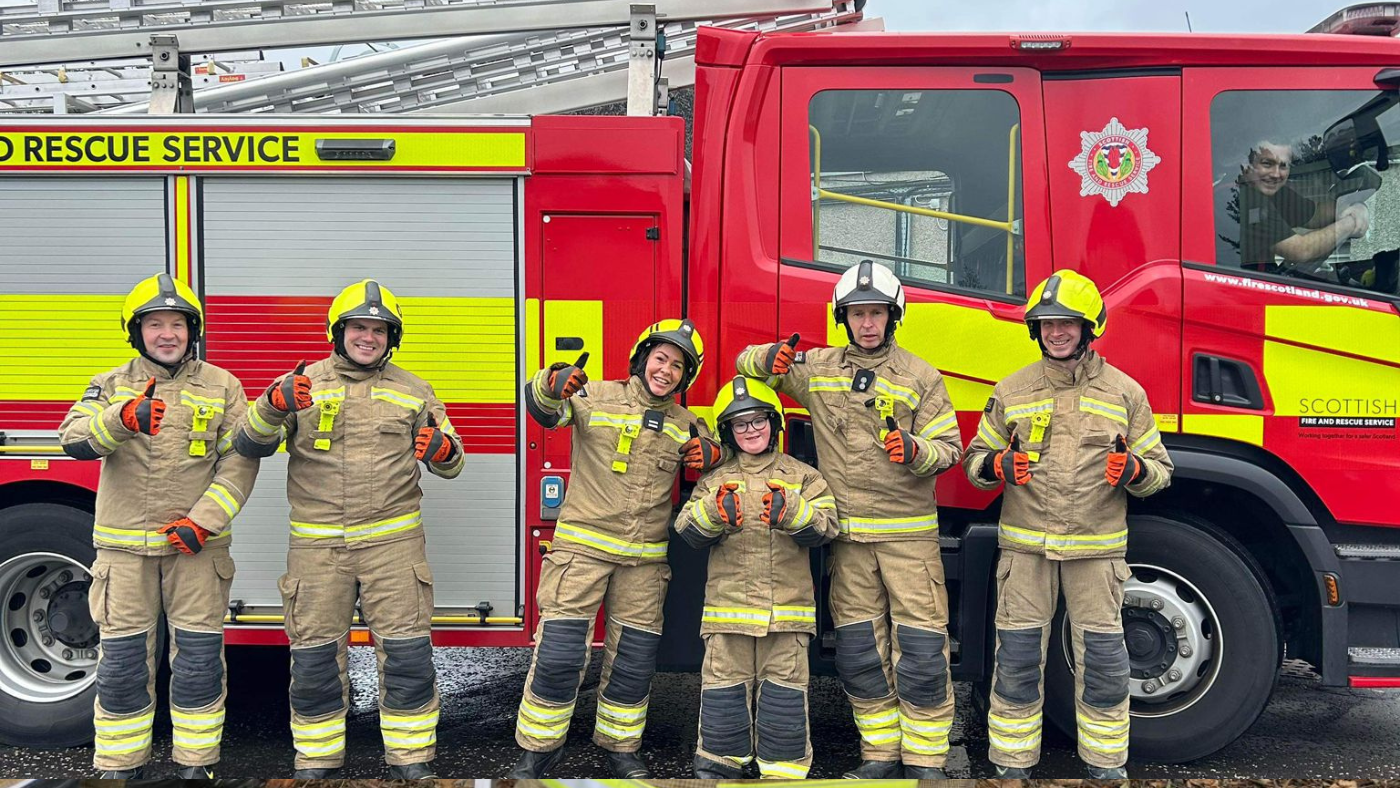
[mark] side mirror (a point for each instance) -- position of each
(1353, 141)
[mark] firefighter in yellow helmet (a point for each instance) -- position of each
(356, 427)
(630, 439)
(761, 510)
(1070, 437)
(884, 429)
(163, 426)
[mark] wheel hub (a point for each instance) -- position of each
(48, 642)
(1151, 642)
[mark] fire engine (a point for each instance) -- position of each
(1178, 171)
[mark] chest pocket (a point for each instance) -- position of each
(1101, 411)
(396, 413)
(1033, 423)
(202, 409)
(897, 396)
(319, 421)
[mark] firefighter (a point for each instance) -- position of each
(163, 426)
(884, 429)
(629, 440)
(761, 510)
(1070, 437)
(356, 427)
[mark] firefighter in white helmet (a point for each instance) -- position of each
(762, 510)
(884, 429)
(163, 426)
(630, 438)
(1070, 437)
(356, 428)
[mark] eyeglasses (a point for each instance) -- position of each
(741, 427)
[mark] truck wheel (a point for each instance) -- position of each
(48, 652)
(1203, 641)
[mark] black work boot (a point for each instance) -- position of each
(195, 772)
(628, 766)
(1109, 773)
(874, 770)
(534, 765)
(706, 769)
(412, 771)
(317, 774)
(924, 773)
(1012, 773)
(122, 774)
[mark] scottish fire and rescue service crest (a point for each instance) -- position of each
(1114, 162)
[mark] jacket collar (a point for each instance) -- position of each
(640, 392)
(151, 369)
(859, 357)
(1087, 369)
(346, 368)
(757, 463)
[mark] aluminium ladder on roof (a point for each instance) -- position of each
(550, 73)
(50, 31)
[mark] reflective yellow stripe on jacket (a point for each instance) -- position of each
(890, 525)
(609, 544)
(131, 537)
(351, 533)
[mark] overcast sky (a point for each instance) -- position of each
(1216, 16)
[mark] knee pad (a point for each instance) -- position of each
(724, 721)
(1018, 665)
(921, 677)
(559, 657)
(197, 672)
(782, 723)
(858, 661)
(122, 674)
(633, 666)
(1105, 669)
(408, 672)
(316, 687)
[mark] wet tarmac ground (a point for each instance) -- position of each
(1306, 731)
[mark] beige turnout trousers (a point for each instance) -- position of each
(128, 594)
(1028, 589)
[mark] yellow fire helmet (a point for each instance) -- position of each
(680, 333)
(744, 395)
(366, 300)
(1067, 294)
(160, 293)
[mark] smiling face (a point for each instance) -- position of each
(366, 340)
(1269, 166)
(867, 324)
(166, 334)
(1060, 336)
(664, 370)
(752, 431)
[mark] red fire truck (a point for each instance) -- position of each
(1230, 194)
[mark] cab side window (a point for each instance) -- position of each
(927, 182)
(1303, 185)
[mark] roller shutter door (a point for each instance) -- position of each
(276, 250)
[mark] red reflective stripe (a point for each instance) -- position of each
(1375, 682)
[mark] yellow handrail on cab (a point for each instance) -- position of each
(1009, 227)
(31, 449)
(816, 188)
(1011, 203)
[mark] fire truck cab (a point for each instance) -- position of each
(1231, 195)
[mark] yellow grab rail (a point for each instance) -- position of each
(31, 449)
(1009, 227)
(1011, 203)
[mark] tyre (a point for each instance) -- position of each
(1199, 623)
(48, 653)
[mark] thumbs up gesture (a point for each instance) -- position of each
(1012, 465)
(292, 392)
(565, 380)
(144, 413)
(781, 356)
(899, 443)
(701, 453)
(432, 444)
(1124, 467)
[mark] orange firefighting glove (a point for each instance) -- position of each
(432, 444)
(187, 537)
(565, 380)
(775, 507)
(700, 453)
(144, 413)
(899, 443)
(1012, 465)
(1124, 467)
(727, 501)
(293, 392)
(780, 356)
